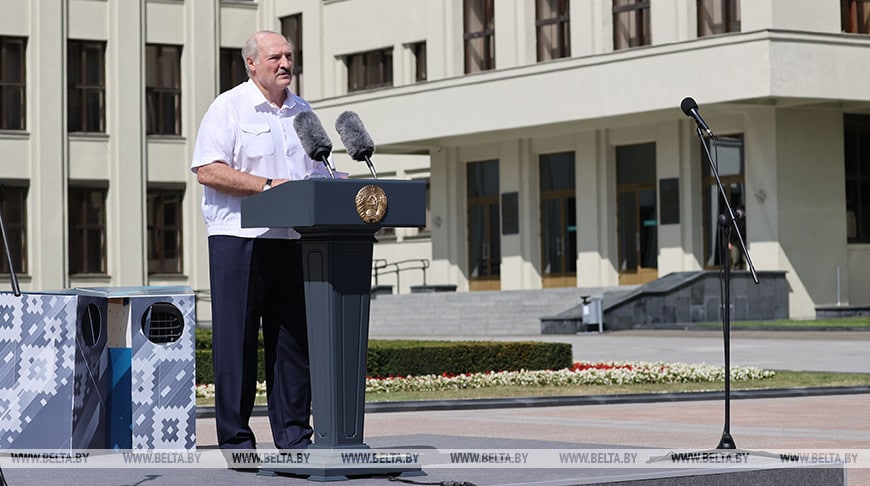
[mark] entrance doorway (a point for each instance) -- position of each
(637, 213)
(484, 230)
(558, 221)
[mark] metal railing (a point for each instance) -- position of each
(381, 267)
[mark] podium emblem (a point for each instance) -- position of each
(371, 203)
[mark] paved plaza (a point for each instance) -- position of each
(760, 423)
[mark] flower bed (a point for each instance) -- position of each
(580, 373)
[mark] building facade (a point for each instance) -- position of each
(550, 132)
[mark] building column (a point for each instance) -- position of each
(46, 122)
(448, 246)
(202, 48)
(126, 232)
(812, 207)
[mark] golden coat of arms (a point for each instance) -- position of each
(371, 204)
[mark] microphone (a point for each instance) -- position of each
(356, 139)
(690, 108)
(314, 139)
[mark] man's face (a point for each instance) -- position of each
(273, 68)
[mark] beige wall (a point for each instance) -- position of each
(810, 15)
(812, 215)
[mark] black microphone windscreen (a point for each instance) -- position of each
(688, 105)
(354, 136)
(311, 134)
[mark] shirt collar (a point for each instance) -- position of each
(258, 99)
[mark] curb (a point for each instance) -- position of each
(492, 403)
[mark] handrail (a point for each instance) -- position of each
(381, 266)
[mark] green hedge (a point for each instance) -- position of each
(403, 358)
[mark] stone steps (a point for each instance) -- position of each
(487, 313)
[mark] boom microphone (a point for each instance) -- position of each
(690, 108)
(356, 139)
(314, 139)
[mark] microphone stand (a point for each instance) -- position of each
(371, 166)
(727, 223)
(329, 168)
(14, 278)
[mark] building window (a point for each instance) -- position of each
(857, 154)
(232, 68)
(418, 53)
(163, 89)
(552, 26)
(718, 17)
(86, 86)
(12, 83)
(727, 154)
(369, 70)
(855, 16)
(479, 35)
(631, 23)
(558, 220)
(164, 231)
(87, 230)
(484, 228)
(13, 205)
(291, 28)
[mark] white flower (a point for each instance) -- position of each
(582, 373)
(612, 373)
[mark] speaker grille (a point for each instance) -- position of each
(162, 323)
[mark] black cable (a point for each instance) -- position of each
(2, 478)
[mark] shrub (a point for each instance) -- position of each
(402, 358)
(406, 357)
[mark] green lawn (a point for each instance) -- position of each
(783, 379)
(841, 323)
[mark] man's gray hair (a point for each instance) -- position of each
(252, 49)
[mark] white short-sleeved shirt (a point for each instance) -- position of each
(242, 129)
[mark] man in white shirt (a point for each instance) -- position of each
(247, 144)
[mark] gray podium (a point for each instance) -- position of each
(337, 220)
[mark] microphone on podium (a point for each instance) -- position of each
(356, 139)
(314, 139)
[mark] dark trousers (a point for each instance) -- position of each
(254, 281)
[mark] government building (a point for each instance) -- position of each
(549, 131)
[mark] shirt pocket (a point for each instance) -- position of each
(256, 139)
